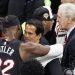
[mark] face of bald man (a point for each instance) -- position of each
(68, 1)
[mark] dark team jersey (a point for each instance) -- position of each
(9, 57)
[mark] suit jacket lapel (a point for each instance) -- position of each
(71, 34)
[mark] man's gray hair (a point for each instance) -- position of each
(68, 9)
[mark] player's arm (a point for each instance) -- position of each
(26, 49)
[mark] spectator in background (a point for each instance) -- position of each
(32, 67)
(45, 15)
(34, 31)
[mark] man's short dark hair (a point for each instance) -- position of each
(38, 24)
(11, 20)
(32, 67)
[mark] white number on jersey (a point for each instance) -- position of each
(9, 64)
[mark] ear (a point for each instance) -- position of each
(68, 20)
(18, 27)
(44, 22)
(40, 35)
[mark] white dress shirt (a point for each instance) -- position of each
(56, 51)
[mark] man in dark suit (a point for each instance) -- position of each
(34, 30)
(66, 20)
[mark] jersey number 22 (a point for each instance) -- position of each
(9, 64)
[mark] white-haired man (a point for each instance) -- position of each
(66, 19)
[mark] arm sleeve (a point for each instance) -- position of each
(56, 51)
